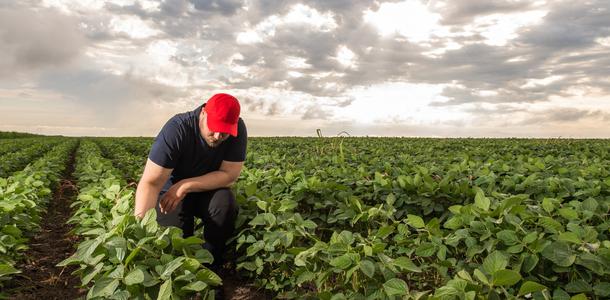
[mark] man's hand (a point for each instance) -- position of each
(172, 198)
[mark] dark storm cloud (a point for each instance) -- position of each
(33, 40)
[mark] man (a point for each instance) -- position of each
(194, 160)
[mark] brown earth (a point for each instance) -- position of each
(237, 288)
(40, 278)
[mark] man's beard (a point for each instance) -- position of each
(213, 144)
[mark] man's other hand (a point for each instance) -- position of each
(172, 198)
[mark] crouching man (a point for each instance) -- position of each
(194, 160)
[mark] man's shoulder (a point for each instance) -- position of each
(180, 124)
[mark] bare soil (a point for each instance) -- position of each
(238, 288)
(40, 277)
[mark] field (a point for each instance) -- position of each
(320, 218)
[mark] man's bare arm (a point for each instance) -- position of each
(151, 183)
(225, 177)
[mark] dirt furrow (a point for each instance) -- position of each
(40, 277)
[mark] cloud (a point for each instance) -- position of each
(32, 40)
(309, 60)
(225, 7)
(314, 112)
(564, 115)
(464, 11)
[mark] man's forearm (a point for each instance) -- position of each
(210, 181)
(146, 198)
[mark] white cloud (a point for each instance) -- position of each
(499, 29)
(536, 82)
(411, 19)
(296, 62)
(299, 14)
(396, 102)
(347, 57)
(134, 27)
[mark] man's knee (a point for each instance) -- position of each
(223, 205)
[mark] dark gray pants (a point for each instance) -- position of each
(218, 211)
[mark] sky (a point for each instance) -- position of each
(467, 68)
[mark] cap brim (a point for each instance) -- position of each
(222, 127)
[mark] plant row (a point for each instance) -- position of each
(121, 256)
(17, 160)
(25, 196)
(131, 165)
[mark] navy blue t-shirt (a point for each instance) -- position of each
(181, 147)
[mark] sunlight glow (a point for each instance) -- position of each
(410, 18)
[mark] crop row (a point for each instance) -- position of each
(131, 165)
(24, 196)
(12, 145)
(122, 257)
(386, 218)
(15, 161)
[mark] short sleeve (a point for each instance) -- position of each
(165, 150)
(236, 151)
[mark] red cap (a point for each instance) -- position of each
(222, 113)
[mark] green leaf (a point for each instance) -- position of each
(165, 291)
(506, 277)
(570, 237)
(578, 286)
(530, 237)
(582, 296)
(396, 287)
(262, 205)
(529, 263)
(568, 213)
(508, 237)
(92, 273)
(550, 224)
(269, 219)
(6, 269)
(530, 287)
(590, 205)
(496, 261)
(134, 277)
(304, 277)
(425, 250)
(481, 201)
(104, 287)
(406, 264)
(384, 231)
(559, 294)
(255, 248)
(342, 262)
(209, 277)
(592, 262)
(367, 267)
(171, 267)
(560, 253)
(602, 289)
(416, 221)
(196, 286)
(480, 276)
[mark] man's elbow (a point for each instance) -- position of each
(232, 179)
